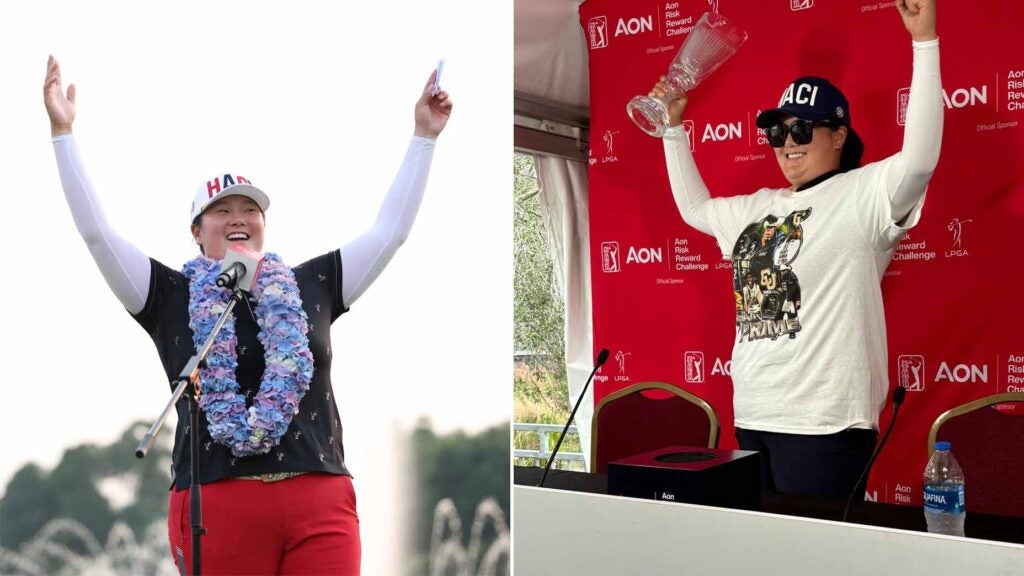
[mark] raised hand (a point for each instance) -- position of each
(919, 18)
(59, 106)
(675, 107)
(432, 112)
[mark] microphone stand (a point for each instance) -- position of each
(897, 400)
(602, 357)
(190, 374)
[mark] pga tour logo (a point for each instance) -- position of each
(688, 127)
(610, 260)
(910, 372)
(598, 28)
(902, 98)
(693, 367)
(795, 5)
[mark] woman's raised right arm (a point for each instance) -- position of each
(125, 268)
(688, 188)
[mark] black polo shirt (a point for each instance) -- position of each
(313, 442)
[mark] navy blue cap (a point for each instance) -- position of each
(809, 98)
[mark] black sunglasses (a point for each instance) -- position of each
(802, 132)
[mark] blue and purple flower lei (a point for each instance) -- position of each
(289, 363)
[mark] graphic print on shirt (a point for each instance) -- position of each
(766, 288)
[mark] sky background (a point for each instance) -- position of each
(313, 101)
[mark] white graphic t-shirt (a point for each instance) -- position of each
(810, 325)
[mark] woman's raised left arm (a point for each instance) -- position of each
(366, 256)
(922, 133)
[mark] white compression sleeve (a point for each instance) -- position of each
(688, 188)
(125, 268)
(365, 257)
(922, 134)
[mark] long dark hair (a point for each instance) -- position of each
(853, 150)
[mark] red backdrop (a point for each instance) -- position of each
(662, 296)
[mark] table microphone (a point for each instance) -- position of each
(897, 398)
(602, 357)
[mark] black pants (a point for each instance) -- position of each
(826, 465)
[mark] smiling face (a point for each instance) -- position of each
(230, 220)
(801, 163)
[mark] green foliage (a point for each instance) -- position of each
(541, 398)
(539, 310)
(465, 468)
(30, 503)
(541, 394)
(154, 480)
(540, 387)
(74, 482)
(34, 497)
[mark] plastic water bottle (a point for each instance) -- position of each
(944, 493)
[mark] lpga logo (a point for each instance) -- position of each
(795, 5)
(956, 228)
(609, 145)
(620, 358)
(598, 28)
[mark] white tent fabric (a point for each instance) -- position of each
(550, 52)
(551, 65)
(565, 209)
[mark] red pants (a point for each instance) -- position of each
(303, 525)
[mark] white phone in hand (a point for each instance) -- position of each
(437, 77)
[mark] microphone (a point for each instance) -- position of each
(602, 357)
(897, 399)
(229, 277)
(240, 268)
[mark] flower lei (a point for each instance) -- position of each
(289, 363)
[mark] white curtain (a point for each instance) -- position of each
(564, 208)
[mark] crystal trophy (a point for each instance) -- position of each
(713, 40)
